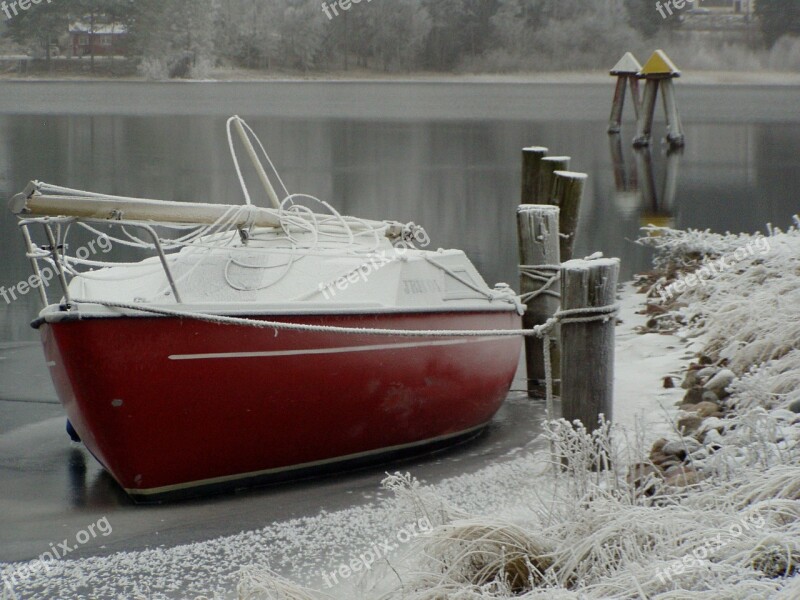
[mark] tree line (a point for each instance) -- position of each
(379, 35)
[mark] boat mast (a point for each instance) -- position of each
(251, 152)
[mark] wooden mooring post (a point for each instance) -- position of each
(659, 73)
(587, 348)
(538, 228)
(567, 194)
(531, 173)
(547, 174)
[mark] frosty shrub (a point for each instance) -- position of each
(201, 69)
(748, 315)
(153, 68)
(698, 54)
(266, 585)
(785, 54)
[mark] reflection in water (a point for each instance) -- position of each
(76, 467)
(636, 191)
(90, 486)
(626, 181)
(657, 208)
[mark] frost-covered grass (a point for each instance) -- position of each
(748, 314)
(732, 530)
(593, 536)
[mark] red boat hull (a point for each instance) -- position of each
(169, 405)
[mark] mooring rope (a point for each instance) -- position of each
(546, 275)
(590, 314)
(564, 317)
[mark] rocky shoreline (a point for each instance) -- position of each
(712, 405)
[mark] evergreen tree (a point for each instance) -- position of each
(459, 29)
(177, 36)
(778, 18)
(400, 35)
(301, 34)
(39, 26)
(644, 18)
(245, 32)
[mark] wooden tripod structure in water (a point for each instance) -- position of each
(658, 73)
(627, 73)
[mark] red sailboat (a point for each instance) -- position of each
(260, 344)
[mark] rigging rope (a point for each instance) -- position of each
(330, 234)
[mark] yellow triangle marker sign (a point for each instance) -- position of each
(660, 64)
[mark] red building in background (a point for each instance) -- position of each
(99, 39)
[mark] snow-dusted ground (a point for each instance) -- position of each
(732, 531)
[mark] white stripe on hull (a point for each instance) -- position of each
(337, 350)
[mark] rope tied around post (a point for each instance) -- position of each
(547, 275)
(566, 317)
(577, 315)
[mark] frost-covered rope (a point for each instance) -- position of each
(545, 275)
(575, 315)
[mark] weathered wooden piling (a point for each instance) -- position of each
(538, 228)
(659, 73)
(644, 126)
(587, 348)
(568, 190)
(626, 71)
(675, 135)
(547, 169)
(531, 173)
